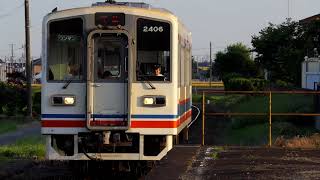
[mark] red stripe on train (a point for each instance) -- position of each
(161, 124)
(184, 101)
(134, 124)
(108, 123)
(63, 124)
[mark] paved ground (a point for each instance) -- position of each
(174, 164)
(31, 129)
(254, 163)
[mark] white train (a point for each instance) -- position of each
(116, 82)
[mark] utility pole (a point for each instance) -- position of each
(288, 9)
(210, 63)
(11, 59)
(28, 58)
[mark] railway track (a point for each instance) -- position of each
(48, 170)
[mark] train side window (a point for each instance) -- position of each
(153, 50)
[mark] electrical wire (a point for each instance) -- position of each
(85, 153)
(12, 11)
(195, 117)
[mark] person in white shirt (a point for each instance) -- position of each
(157, 70)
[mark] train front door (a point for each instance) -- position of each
(107, 86)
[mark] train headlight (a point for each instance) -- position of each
(154, 100)
(69, 100)
(148, 101)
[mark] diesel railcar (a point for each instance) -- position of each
(101, 98)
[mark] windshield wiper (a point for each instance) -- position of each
(148, 82)
(67, 84)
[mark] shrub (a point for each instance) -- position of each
(283, 84)
(245, 84)
(229, 76)
(37, 103)
(13, 99)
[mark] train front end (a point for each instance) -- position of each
(101, 98)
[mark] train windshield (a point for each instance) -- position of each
(65, 50)
(153, 50)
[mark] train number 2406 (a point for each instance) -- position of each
(153, 29)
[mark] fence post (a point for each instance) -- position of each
(203, 116)
(270, 119)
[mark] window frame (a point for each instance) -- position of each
(123, 75)
(84, 47)
(136, 50)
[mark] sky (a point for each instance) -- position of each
(223, 22)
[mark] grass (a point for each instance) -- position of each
(26, 148)
(257, 134)
(224, 100)
(281, 103)
(215, 150)
(36, 89)
(249, 135)
(196, 98)
(254, 130)
(7, 126)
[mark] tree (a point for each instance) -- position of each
(235, 59)
(281, 49)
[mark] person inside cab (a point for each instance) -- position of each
(157, 70)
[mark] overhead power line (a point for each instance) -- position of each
(11, 12)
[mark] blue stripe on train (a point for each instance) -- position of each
(109, 116)
(138, 116)
(181, 110)
(63, 116)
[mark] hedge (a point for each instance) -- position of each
(245, 84)
(13, 100)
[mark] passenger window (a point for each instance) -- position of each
(65, 52)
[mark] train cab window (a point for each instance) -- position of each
(65, 51)
(153, 50)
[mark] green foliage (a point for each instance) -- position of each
(257, 134)
(26, 148)
(226, 101)
(281, 103)
(228, 76)
(196, 98)
(248, 135)
(245, 84)
(235, 59)
(283, 84)
(7, 126)
(281, 49)
(13, 99)
(37, 103)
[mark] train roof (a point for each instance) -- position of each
(132, 6)
(135, 6)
